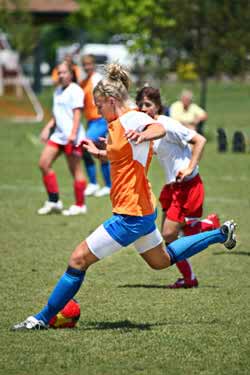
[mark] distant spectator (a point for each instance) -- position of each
(188, 113)
(75, 68)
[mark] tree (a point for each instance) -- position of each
(16, 22)
(145, 21)
(215, 34)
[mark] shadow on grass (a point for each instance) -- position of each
(127, 325)
(157, 286)
(244, 253)
(123, 325)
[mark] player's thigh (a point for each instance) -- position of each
(48, 156)
(102, 244)
(75, 166)
(151, 248)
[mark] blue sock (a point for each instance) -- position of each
(187, 246)
(91, 172)
(66, 288)
(106, 173)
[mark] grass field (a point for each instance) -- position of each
(130, 323)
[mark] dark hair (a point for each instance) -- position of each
(152, 94)
(71, 68)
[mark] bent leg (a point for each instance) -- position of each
(157, 258)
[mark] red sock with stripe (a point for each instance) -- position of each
(51, 185)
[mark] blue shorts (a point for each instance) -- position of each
(97, 128)
(127, 229)
(123, 230)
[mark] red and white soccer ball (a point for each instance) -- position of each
(67, 317)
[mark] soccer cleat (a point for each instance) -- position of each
(228, 229)
(31, 323)
(91, 189)
(182, 283)
(102, 192)
(50, 207)
(75, 210)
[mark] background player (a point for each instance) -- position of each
(68, 132)
(96, 128)
(182, 197)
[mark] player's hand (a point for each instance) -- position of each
(183, 173)
(90, 147)
(72, 138)
(103, 140)
(44, 135)
(135, 136)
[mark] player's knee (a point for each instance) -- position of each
(169, 236)
(80, 258)
(43, 165)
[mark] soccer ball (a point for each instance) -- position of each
(67, 317)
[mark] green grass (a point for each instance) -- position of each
(130, 323)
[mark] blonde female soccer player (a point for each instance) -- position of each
(68, 133)
(133, 222)
(182, 196)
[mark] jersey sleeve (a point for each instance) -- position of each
(134, 120)
(176, 133)
(77, 97)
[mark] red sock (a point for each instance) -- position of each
(79, 188)
(185, 269)
(50, 182)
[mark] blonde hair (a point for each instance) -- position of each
(116, 83)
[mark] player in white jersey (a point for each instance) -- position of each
(67, 133)
(182, 196)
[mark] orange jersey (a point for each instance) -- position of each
(88, 85)
(131, 191)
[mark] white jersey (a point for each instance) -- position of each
(64, 101)
(173, 150)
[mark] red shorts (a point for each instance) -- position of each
(68, 149)
(183, 199)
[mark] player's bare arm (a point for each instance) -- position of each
(153, 131)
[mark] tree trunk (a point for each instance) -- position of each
(203, 92)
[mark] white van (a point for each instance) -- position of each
(108, 53)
